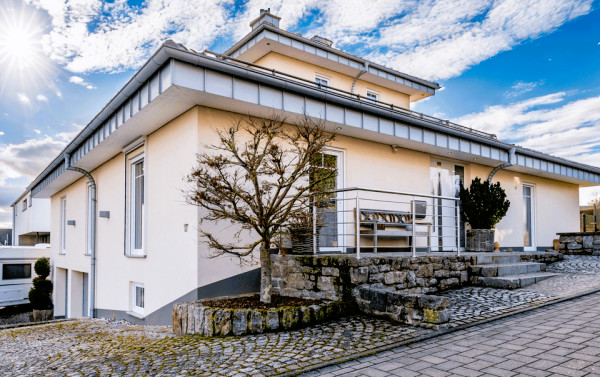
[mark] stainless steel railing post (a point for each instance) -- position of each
(357, 226)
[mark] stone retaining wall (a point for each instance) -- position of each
(195, 318)
(413, 309)
(582, 243)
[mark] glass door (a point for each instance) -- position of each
(330, 207)
(528, 218)
(445, 181)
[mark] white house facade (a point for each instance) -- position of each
(126, 244)
(31, 220)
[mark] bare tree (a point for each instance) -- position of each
(595, 199)
(259, 176)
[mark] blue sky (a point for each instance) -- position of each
(525, 70)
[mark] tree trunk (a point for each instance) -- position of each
(265, 273)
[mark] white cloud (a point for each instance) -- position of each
(1, 133)
(80, 81)
(37, 131)
(521, 87)
(41, 98)
(23, 98)
(546, 124)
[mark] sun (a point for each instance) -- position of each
(23, 64)
(20, 39)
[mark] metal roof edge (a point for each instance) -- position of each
(253, 33)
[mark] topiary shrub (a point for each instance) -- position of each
(483, 204)
(40, 296)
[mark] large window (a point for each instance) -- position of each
(63, 225)
(136, 206)
(16, 271)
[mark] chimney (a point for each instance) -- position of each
(265, 18)
(322, 40)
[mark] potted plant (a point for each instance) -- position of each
(40, 296)
(483, 205)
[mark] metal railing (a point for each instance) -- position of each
(371, 220)
(388, 106)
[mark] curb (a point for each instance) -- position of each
(32, 324)
(435, 334)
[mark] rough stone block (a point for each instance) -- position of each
(359, 275)
(330, 271)
(433, 302)
(272, 320)
(257, 322)
(378, 299)
(223, 325)
(305, 315)
(425, 271)
(389, 278)
(574, 246)
(240, 321)
(209, 329)
(449, 283)
(375, 278)
(385, 267)
(587, 242)
(198, 319)
(325, 283)
(445, 273)
(290, 317)
(411, 279)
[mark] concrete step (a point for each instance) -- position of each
(507, 269)
(498, 259)
(513, 281)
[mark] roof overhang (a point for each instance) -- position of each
(178, 79)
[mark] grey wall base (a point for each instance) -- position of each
(247, 282)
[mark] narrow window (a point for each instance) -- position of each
(137, 298)
(63, 225)
(25, 204)
(136, 207)
(90, 218)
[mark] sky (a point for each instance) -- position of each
(525, 70)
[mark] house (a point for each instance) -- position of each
(125, 242)
(6, 237)
(31, 220)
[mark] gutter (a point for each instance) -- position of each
(92, 182)
(511, 162)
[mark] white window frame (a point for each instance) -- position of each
(340, 182)
(134, 307)
(373, 93)
(319, 77)
(533, 246)
(88, 230)
(63, 225)
(131, 216)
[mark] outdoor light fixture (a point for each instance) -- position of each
(71, 222)
(395, 148)
(104, 214)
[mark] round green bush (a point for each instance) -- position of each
(42, 267)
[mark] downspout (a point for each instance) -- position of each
(92, 232)
(358, 76)
(14, 229)
(511, 162)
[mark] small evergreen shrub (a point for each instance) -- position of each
(40, 296)
(483, 204)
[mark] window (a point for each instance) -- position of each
(63, 225)
(136, 206)
(137, 298)
(90, 218)
(372, 95)
(16, 271)
(322, 81)
(24, 204)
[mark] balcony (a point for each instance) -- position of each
(363, 220)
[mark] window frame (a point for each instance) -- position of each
(131, 218)
(24, 205)
(17, 279)
(134, 302)
(374, 93)
(326, 79)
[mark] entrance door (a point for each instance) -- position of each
(529, 218)
(445, 181)
(331, 209)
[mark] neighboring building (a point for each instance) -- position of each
(31, 220)
(17, 272)
(145, 140)
(5, 237)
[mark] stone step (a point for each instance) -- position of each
(498, 259)
(513, 281)
(507, 269)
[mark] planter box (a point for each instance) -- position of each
(480, 239)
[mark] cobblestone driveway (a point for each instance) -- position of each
(98, 347)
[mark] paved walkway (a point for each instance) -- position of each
(99, 347)
(559, 340)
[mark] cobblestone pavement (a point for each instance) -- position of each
(559, 340)
(99, 347)
(577, 264)
(477, 303)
